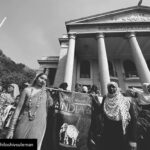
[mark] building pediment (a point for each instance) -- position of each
(132, 14)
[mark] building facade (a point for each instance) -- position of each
(113, 46)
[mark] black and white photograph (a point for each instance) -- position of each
(75, 74)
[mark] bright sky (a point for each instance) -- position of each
(32, 27)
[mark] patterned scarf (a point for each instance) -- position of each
(116, 107)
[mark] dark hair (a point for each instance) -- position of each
(78, 87)
(63, 86)
(94, 89)
(35, 79)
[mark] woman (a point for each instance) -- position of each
(78, 87)
(7, 101)
(32, 112)
(143, 112)
(63, 86)
(144, 96)
(94, 90)
(13, 90)
(119, 117)
(13, 93)
(8, 98)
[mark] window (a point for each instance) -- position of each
(130, 69)
(85, 69)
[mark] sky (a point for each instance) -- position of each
(32, 27)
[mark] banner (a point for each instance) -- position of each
(72, 121)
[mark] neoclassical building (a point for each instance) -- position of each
(112, 46)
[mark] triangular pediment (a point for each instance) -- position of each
(132, 14)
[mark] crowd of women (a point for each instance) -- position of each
(121, 121)
(8, 101)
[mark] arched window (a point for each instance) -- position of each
(85, 69)
(111, 69)
(148, 63)
(130, 69)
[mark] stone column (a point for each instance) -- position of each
(103, 64)
(139, 59)
(70, 62)
(60, 73)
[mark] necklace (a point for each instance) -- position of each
(30, 114)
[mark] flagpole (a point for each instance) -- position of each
(140, 2)
(4, 19)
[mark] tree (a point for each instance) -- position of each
(10, 72)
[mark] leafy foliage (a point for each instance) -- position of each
(10, 72)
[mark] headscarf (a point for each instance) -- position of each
(144, 96)
(117, 89)
(85, 89)
(36, 77)
(116, 107)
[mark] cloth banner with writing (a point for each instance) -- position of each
(72, 120)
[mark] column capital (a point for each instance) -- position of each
(131, 34)
(99, 35)
(72, 36)
(64, 42)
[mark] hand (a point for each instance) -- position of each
(10, 135)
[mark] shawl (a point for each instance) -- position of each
(116, 107)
